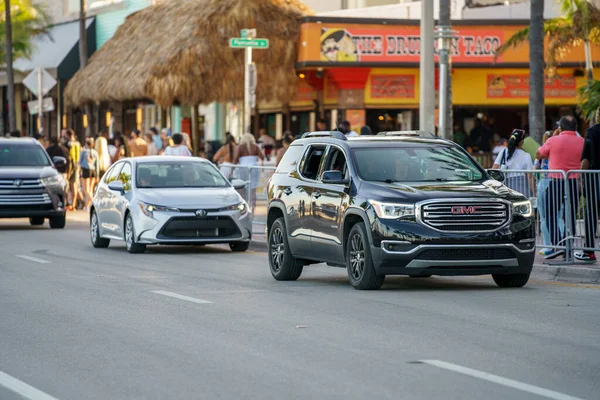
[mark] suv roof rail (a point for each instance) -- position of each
(422, 134)
(331, 134)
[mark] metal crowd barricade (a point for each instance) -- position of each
(586, 200)
(256, 178)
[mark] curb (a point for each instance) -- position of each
(568, 273)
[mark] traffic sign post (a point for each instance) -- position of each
(40, 82)
(248, 41)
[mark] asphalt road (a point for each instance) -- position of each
(204, 323)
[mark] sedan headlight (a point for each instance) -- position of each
(392, 211)
(523, 208)
(149, 209)
(241, 207)
(54, 180)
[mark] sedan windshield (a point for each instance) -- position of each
(416, 164)
(22, 155)
(178, 175)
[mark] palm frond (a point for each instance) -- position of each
(514, 41)
(589, 100)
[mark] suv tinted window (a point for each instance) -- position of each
(290, 160)
(22, 155)
(336, 161)
(312, 162)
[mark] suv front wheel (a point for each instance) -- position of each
(359, 263)
(284, 267)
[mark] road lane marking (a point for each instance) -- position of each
(23, 389)
(525, 387)
(34, 259)
(182, 297)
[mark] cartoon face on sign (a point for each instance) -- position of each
(337, 45)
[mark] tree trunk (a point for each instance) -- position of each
(589, 65)
(537, 110)
(12, 116)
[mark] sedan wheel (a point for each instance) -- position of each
(132, 246)
(97, 241)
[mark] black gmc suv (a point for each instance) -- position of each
(30, 185)
(399, 203)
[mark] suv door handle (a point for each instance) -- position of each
(317, 194)
(287, 191)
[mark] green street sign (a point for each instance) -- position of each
(237, 43)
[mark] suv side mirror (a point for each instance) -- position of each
(117, 186)
(496, 174)
(334, 177)
(59, 162)
(238, 184)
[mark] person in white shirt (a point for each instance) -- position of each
(178, 148)
(347, 129)
(515, 158)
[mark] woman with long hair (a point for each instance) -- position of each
(515, 158)
(224, 157)
(89, 170)
(247, 155)
(122, 149)
(286, 142)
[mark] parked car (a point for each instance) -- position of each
(30, 185)
(399, 203)
(168, 200)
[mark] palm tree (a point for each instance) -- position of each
(589, 100)
(22, 21)
(580, 23)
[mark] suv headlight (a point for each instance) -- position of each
(241, 207)
(54, 180)
(523, 208)
(392, 211)
(149, 209)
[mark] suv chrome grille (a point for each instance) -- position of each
(461, 216)
(16, 184)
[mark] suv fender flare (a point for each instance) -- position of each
(281, 207)
(363, 215)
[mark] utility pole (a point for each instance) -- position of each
(427, 69)
(537, 110)
(10, 75)
(444, 35)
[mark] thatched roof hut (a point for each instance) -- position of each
(177, 52)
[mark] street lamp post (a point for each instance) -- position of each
(444, 35)
(427, 69)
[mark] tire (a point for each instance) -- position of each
(97, 241)
(130, 243)
(36, 221)
(420, 276)
(239, 247)
(284, 267)
(359, 262)
(511, 280)
(58, 222)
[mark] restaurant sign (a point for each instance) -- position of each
(392, 86)
(517, 86)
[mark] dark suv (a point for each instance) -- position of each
(399, 203)
(30, 185)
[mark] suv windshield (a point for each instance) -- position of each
(179, 174)
(22, 155)
(416, 164)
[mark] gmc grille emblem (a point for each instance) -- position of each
(201, 213)
(17, 182)
(468, 210)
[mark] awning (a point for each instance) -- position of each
(57, 53)
(487, 3)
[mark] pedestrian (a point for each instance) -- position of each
(74, 182)
(247, 155)
(322, 126)
(590, 160)
(346, 129)
(104, 159)
(499, 147)
(89, 162)
(530, 146)
(267, 142)
(137, 145)
(459, 135)
(224, 157)
(57, 149)
(481, 137)
(148, 137)
(542, 193)
(178, 148)
(366, 131)
(286, 142)
(514, 158)
(564, 153)
(122, 148)
(158, 143)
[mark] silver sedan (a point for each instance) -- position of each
(168, 200)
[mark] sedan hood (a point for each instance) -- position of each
(415, 192)
(26, 172)
(190, 197)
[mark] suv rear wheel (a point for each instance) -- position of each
(36, 221)
(511, 280)
(359, 263)
(284, 267)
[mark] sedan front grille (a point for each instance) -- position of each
(221, 227)
(465, 217)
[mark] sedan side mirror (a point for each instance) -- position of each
(496, 174)
(117, 186)
(59, 162)
(238, 184)
(334, 177)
